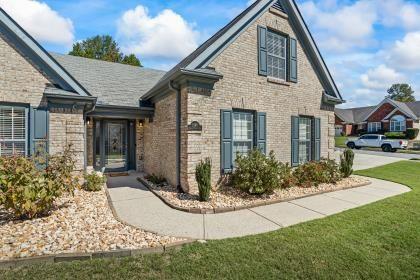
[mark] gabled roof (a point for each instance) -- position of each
(205, 54)
(112, 83)
(361, 114)
(11, 30)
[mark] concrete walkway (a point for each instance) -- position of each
(136, 205)
(368, 159)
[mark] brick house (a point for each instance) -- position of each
(387, 116)
(259, 82)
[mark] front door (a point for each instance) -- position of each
(115, 145)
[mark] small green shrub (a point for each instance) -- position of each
(315, 173)
(395, 135)
(412, 133)
(203, 178)
(256, 173)
(346, 163)
(93, 182)
(156, 179)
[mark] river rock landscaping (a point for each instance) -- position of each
(83, 223)
(228, 197)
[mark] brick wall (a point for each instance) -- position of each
(381, 113)
(243, 88)
(160, 140)
(22, 82)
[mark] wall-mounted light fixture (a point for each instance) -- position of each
(141, 123)
(88, 121)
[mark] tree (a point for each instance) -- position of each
(103, 48)
(401, 92)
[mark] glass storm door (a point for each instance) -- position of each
(115, 145)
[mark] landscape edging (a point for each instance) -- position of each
(238, 208)
(82, 256)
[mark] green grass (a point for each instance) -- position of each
(377, 241)
(340, 141)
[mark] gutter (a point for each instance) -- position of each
(178, 133)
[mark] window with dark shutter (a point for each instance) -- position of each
(292, 73)
(39, 119)
(13, 130)
(226, 163)
(262, 132)
(262, 51)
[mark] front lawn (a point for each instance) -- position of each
(379, 241)
(340, 141)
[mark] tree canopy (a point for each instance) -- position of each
(103, 48)
(401, 92)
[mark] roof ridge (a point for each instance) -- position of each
(103, 61)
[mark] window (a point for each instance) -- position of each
(276, 55)
(305, 140)
(374, 126)
(13, 131)
(242, 133)
(398, 123)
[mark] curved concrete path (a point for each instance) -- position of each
(137, 206)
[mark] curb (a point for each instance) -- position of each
(238, 208)
(70, 257)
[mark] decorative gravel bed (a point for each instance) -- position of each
(83, 223)
(229, 198)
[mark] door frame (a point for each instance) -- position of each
(130, 154)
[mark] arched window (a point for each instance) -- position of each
(398, 123)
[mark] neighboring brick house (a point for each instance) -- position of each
(258, 82)
(387, 116)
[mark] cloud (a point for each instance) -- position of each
(39, 20)
(343, 28)
(405, 54)
(381, 78)
(404, 14)
(165, 36)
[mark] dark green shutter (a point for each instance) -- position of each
(262, 51)
(317, 144)
(226, 163)
(295, 141)
(292, 74)
(262, 132)
(39, 119)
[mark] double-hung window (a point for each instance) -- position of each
(276, 55)
(398, 123)
(374, 127)
(243, 127)
(13, 130)
(305, 140)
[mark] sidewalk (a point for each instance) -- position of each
(137, 206)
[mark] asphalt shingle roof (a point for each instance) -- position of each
(112, 83)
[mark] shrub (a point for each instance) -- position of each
(315, 173)
(395, 135)
(61, 169)
(346, 163)
(156, 179)
(256, 173)
(24, 189)
(29, 191)
(93, 181)
(412, 133)
(203, 178)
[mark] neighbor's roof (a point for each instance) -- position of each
(358, 115)
(112, 83)
(204, 54)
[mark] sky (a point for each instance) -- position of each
(368, 44)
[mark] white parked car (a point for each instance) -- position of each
(377, 141)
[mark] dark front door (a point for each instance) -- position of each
(114, 145)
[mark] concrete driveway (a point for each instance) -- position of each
(370, 159)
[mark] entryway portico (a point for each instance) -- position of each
(114, 137)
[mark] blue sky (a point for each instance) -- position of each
(368, 44)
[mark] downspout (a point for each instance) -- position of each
(178, 133)
(85, 136)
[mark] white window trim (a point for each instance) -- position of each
(26, 140)
(376, 125)
(233, 129)
(279, 79)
